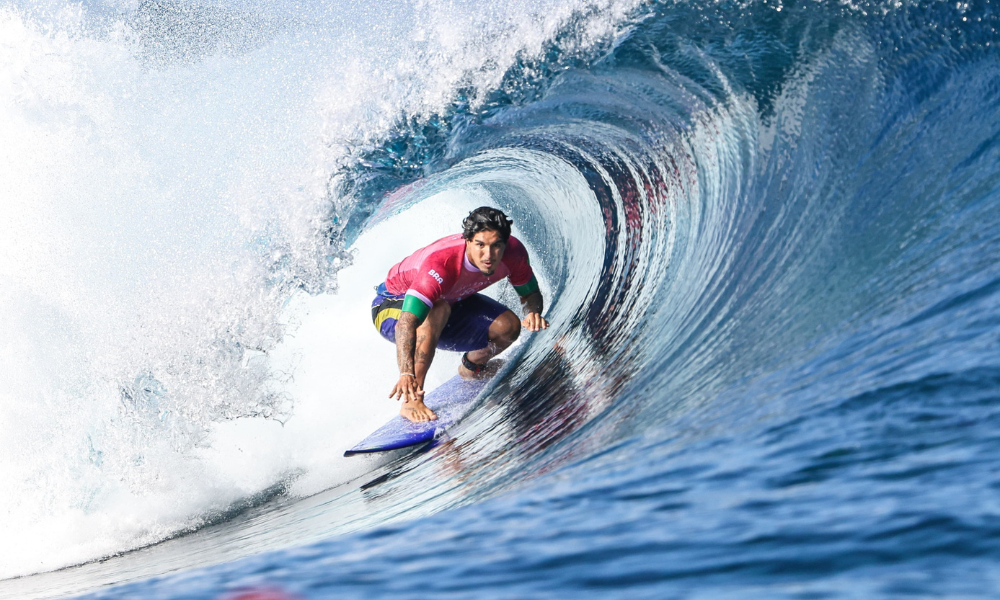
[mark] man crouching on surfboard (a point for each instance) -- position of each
(430, 301)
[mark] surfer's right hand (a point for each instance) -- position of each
(407, 389)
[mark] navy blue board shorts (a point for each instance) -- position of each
(468, 326)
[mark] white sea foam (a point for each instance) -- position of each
(159, 200)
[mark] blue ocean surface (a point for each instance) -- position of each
(768, 235)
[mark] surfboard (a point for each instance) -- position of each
(450, 402)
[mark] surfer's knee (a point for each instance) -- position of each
(438, 317)
(506, 327)
(441, 307)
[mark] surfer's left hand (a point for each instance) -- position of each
(407, 389)
(534, 322)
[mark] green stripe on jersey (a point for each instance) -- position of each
(527, 289)
(412, 304)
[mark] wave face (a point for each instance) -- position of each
(768, 234)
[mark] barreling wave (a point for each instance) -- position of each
(716, 173)
(740, 210)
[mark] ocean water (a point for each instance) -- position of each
(768, 234)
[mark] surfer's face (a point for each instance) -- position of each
(485, 250)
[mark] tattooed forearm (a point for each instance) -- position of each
(424, 354)
(406, 341)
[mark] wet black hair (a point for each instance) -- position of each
(486, 218)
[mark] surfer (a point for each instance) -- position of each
(429, 300)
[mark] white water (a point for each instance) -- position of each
(157, 210)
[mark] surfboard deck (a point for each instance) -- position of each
(450, 402)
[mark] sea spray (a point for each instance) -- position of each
(170, 179)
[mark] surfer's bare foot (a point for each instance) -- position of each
(489, 370)
(467, 374)
(417, 411)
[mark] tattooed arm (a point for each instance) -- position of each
(411, 384)
(423, 355)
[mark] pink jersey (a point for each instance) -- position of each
(442, 270)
